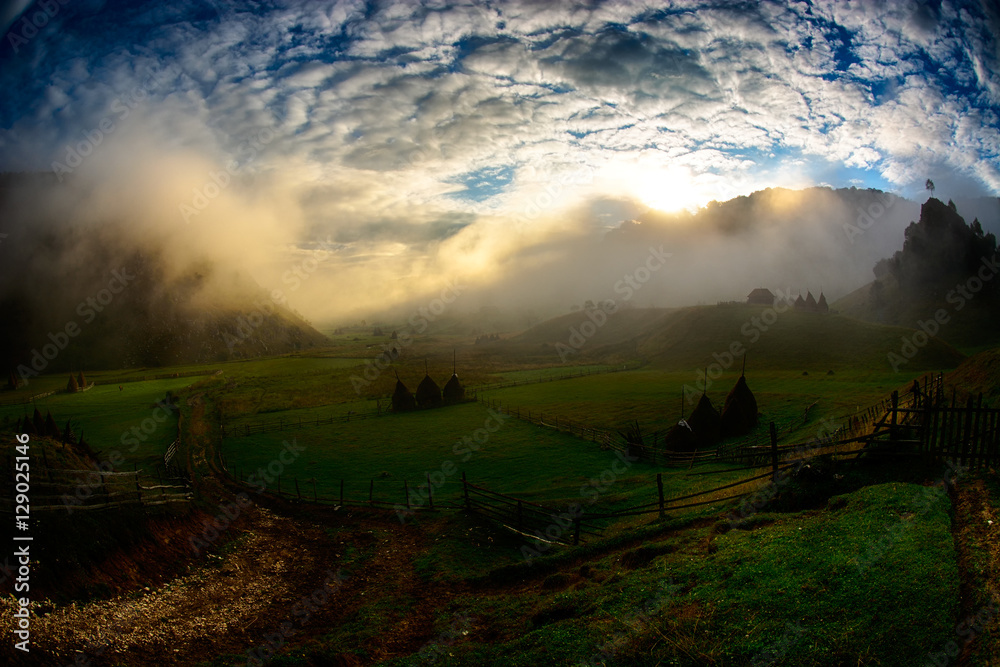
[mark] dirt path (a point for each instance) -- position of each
(976, 530)
(275, 579)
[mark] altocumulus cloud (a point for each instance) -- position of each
(413, 131)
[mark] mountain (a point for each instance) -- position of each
(134, 315)
(110, 288)
(943, 279)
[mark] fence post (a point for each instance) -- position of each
(315, 497)
(659, 487)
(465, 490)
(341, 492)
(430, 493)
(297, 492)
(406, 490)
(279, 485)
(895, 418)
(371, 492)
(519, 517)
(774, 452)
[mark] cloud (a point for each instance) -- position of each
(403, 131)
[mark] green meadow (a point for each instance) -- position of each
(106, 416)
(514, 457)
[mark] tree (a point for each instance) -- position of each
(929, 185)
(81, 380)
(72, 386)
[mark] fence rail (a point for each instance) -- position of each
(54, 489)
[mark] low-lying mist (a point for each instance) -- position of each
(206, 226)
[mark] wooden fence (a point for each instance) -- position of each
(57, 489)
(968, 436)
(531, 520)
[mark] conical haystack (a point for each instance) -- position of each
(402, 399)
(428, 393)
(454, 392)
(679, 439)
(739, 414)
(38, 422)
(51, 429)
(705, 422)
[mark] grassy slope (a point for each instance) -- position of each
(978, 374)
(653, 397)
(795, 341)
(787, 590)
(104, 415)
(973, 327)
(694, 337)
(535, 463)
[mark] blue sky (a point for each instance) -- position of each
(388, 126)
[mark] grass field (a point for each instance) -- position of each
(808, 588)
(533, 462)
(805, 587)
(106, 416)
(654, 397)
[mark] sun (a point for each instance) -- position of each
(665, 188)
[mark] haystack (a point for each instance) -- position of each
(821, 305)
(402, 399)
(428, 392)
(454, 392)
(38, 422)
(705, 423)
(739, 414)
(51, 429)
(679, 438)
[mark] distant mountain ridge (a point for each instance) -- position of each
(101, 291)
(135, 316)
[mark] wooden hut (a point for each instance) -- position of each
(761, 297)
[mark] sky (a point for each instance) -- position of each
(396, 142)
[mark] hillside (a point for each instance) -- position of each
(694, 337)
(945, 269)
(152, 319)
(97, 280)
(597, 331)
(979, 374)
